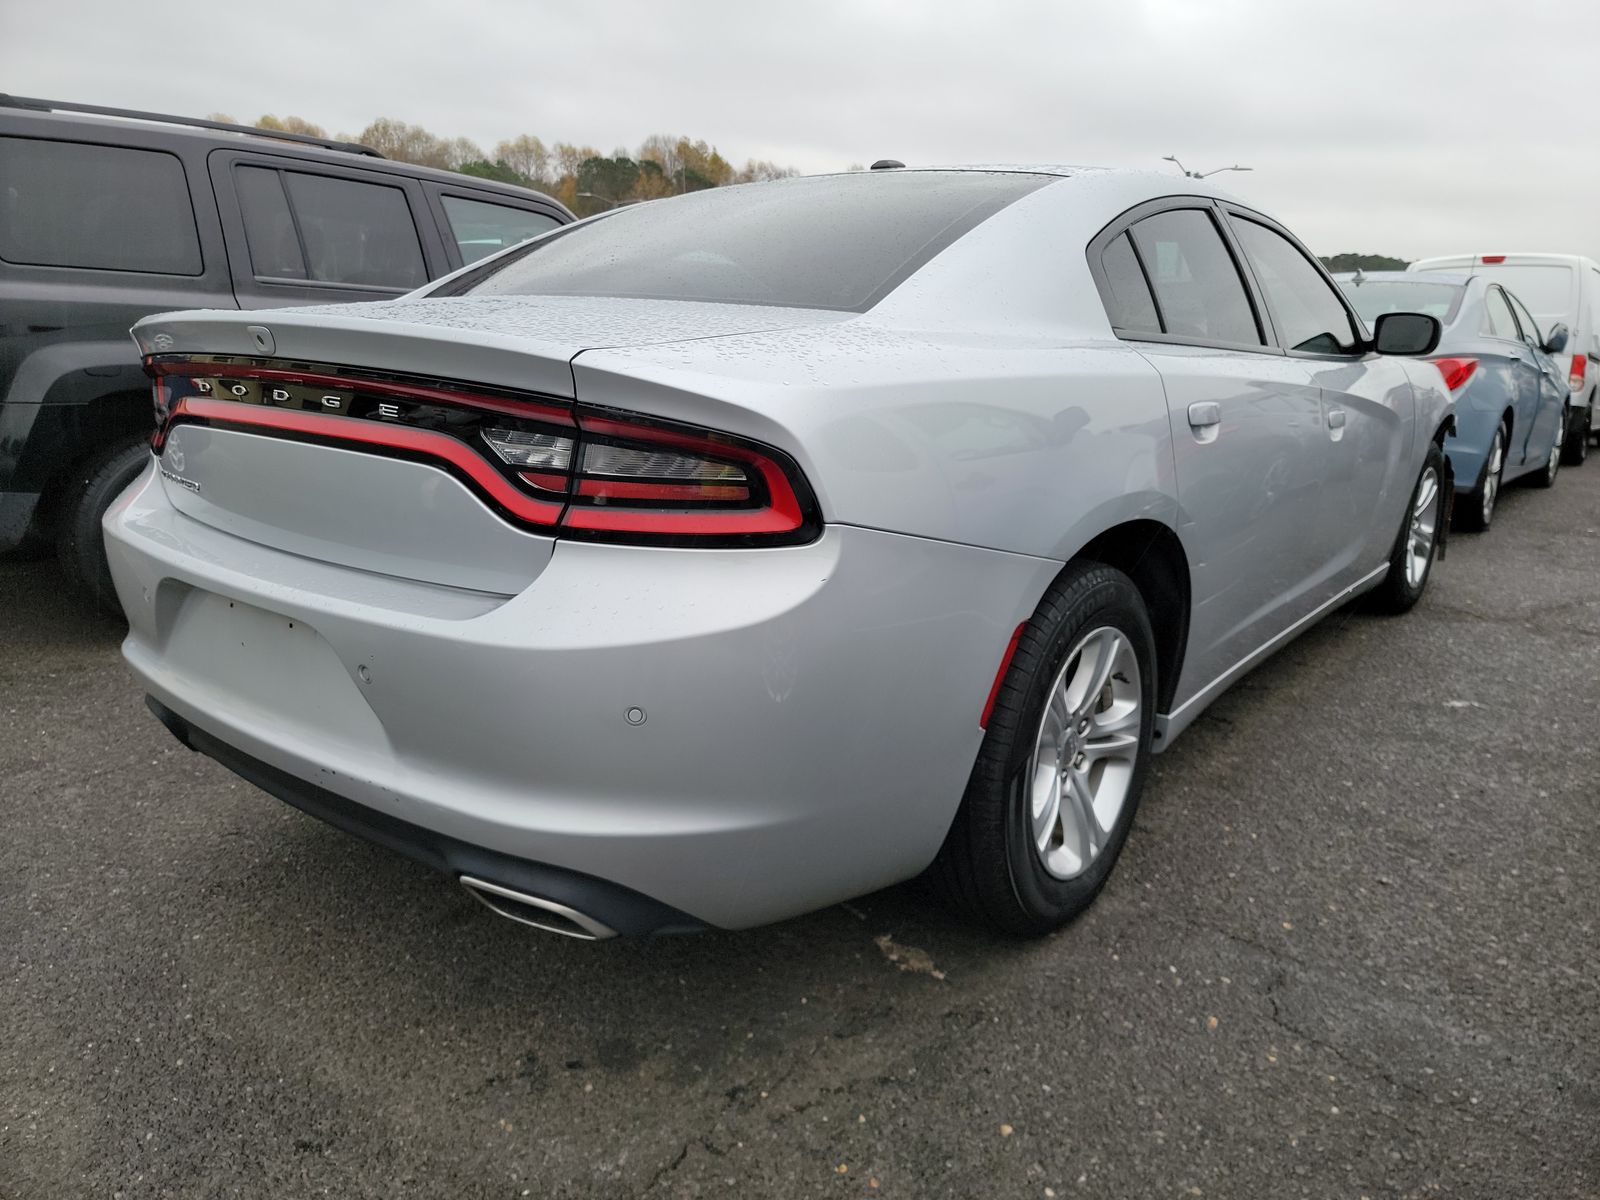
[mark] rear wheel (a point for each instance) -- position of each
(1552, 467)
(1475, 512)
(94, 484)
(1411, 559)
(1576, 449)
(1057, 781)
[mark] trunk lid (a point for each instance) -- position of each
(337, 438)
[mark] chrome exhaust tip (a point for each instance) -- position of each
(537, 911)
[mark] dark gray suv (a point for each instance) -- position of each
(108, 215)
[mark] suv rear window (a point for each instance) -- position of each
(481, 229)
(834, 241)
(108, 208)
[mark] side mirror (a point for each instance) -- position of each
(1556, 342)
(1406, 333)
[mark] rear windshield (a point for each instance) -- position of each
(1545, 291)
(833, 241)
(1374, 297)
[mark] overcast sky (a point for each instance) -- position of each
(1405, 127)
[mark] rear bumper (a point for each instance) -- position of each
(625, 911)
(733, 736)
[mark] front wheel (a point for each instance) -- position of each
(1411, 560)
(1552, 466)
(1058, 777)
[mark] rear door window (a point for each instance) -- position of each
(108, 208)
(1497, 319)
(1129, 304)
(1198, 290)
(329, 229)
(268, 225)
(1305, 305)
(481, 228)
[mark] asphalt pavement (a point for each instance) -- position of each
(1352, 950)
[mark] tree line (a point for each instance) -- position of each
(581, 177)
(1364, 262)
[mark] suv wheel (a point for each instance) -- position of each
(95, 483)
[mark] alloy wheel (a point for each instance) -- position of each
(1085, 752)
(1491, 476)
(1424, 528)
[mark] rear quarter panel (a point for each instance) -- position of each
(1015, 445)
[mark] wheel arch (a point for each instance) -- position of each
(81, 430)
(1150, 554)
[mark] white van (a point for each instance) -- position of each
(1553, 287)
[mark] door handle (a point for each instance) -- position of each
(1205, 413)
(1336, 418)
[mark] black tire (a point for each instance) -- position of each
(1472, 515)
(1398, 593)
(1576, 449)
(988, 867)
(1552, 467)
(94, 484)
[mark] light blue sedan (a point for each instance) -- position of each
(1511, 395)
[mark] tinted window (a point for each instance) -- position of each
(65, 204)
(355, 232)
(268, 227)
(1128, 300)
(1373, 298)
(1497, 318)
(1196, 284)
(481, 229)
(1305, 306)
(831, 241)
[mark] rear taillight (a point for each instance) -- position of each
(1575, 376)
(1492, 258)
(579, 472)
(1456, 371)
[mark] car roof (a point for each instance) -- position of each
(108, 129)
(1508, 259)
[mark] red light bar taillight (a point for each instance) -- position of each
(1575, 376)
(1492, 258)
(1456, 371)
(579, 472)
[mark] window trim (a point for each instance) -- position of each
(1358, 328)
(188, 191)
(1124, 222)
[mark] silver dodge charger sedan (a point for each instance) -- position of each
(717, 559)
